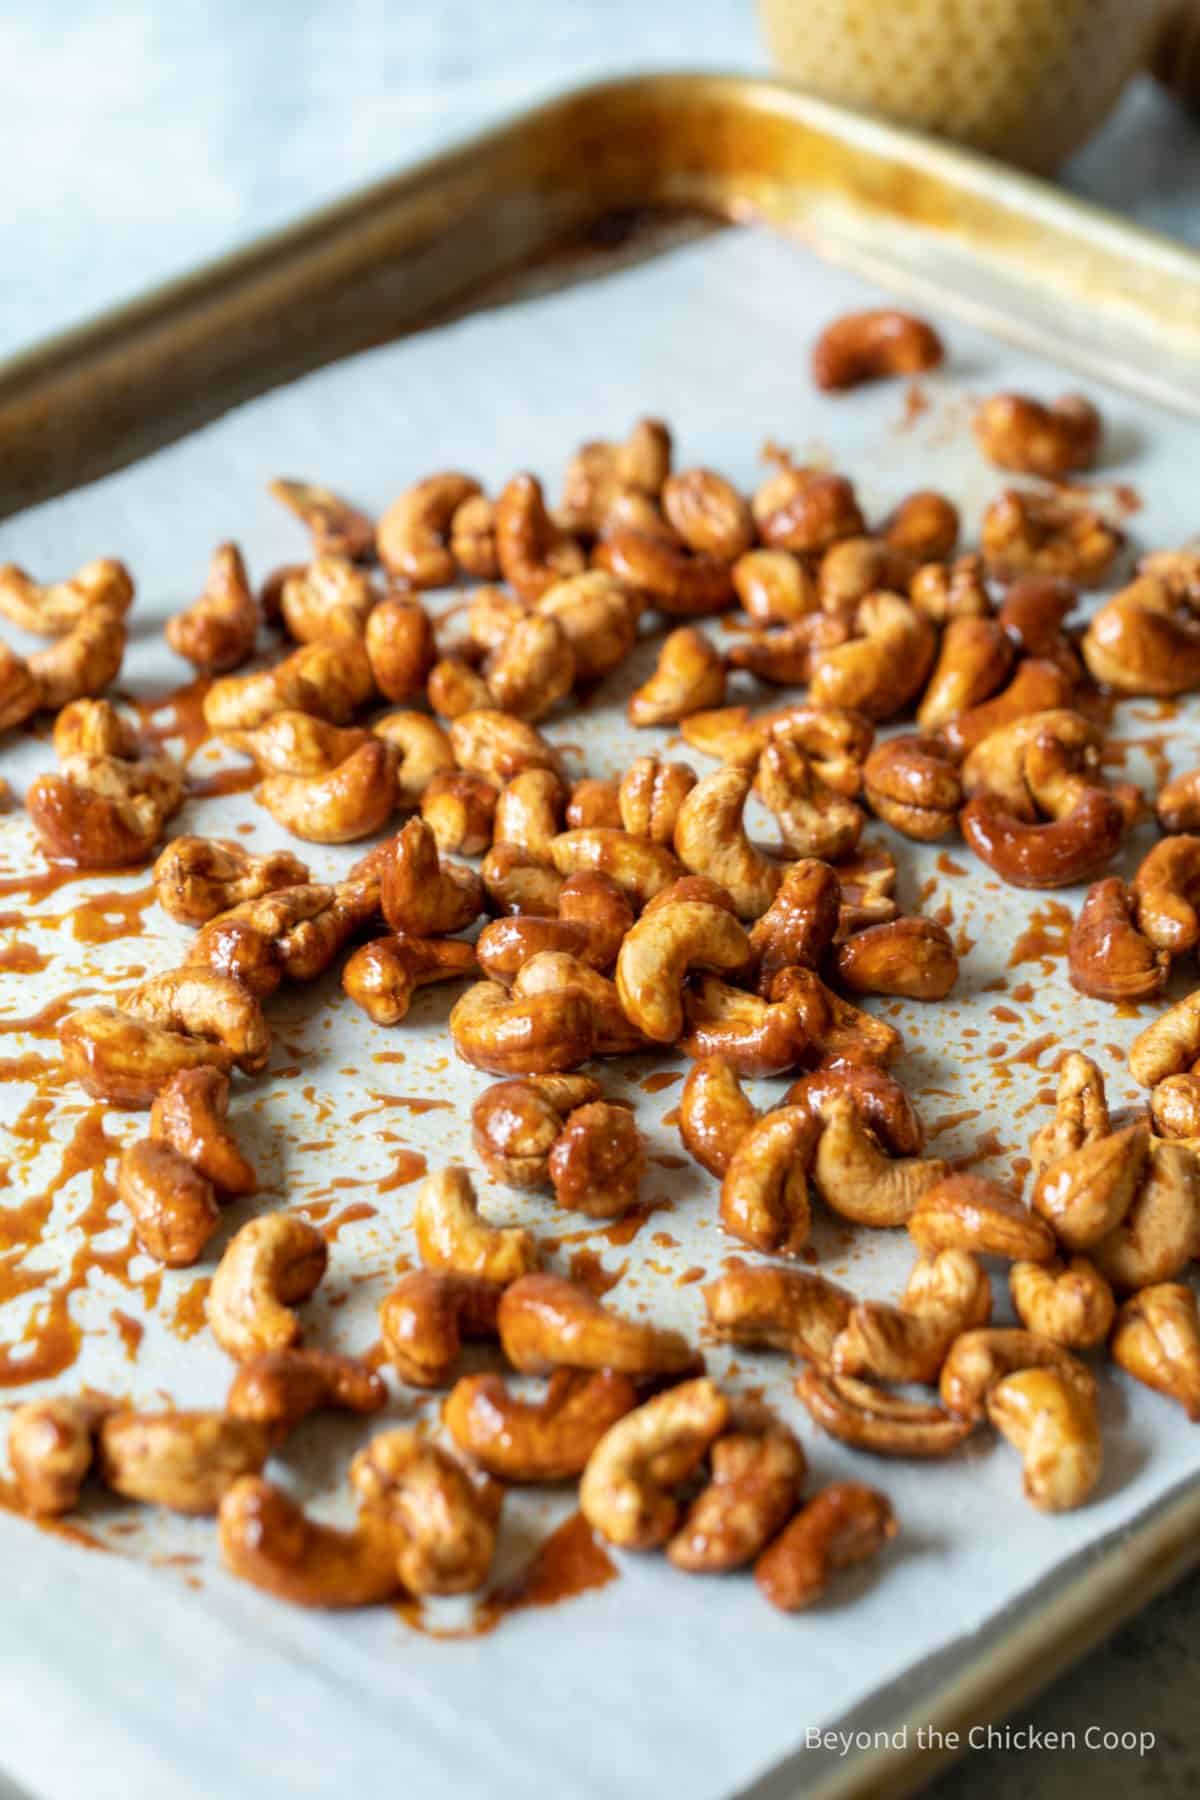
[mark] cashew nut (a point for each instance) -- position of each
(331, 680)
(757, 1476)
(640, 869)
(714, 1114)
(182, 1460)
(412, 533)
(764, 1194)
(267, 1267)
(548, 1323)
(382, 976)
(625, 1491)
(51, 1446)
(1109, 958)
(966, 1212)
(1070, 1302)
(399, 641)
(913, 957)
(421, 895)
(549, 1439)
(199, 1004)
(445, 1527)
(454, 1238)
(197, 878)
(856, 1413)
(266, 1540)
(56, 608)
(778, 1309)
(1017, 432)
(337, 528)
(947, 1293)
(219, 630)
(845, 1524)
(125, 1061)
(855, 1177)
(543, 1033)
(424, 750)
(172, 1205)
(689, 676)
(1157, 1341)
(353, 800)
(533, 552)
(498, 747)
(1049, 1415)
(598, 1161)
(974, 660)
(710, 839)
(282, 1387)
(874, 346)
(658, 952)
(1031, 533)
(1169, 1046)
(798, 927)
(426, 1316)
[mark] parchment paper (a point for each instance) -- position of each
(131, 1673)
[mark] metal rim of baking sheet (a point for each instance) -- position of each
(476, 225)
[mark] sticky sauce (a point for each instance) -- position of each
(565, 1565)
(103, 918)
(1046, 938)
(22, 959)
(407, 1166)
(586, 1268)
(177, 716)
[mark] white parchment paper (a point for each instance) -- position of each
(148, 1671)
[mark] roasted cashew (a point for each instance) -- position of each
(1070, 1302)
(82, 663)
(330, 680)
(56, 608)
(1109, 958)
(787, 656)
(445, 1526)
(332, 599)
(352, 801)
(124, 1060)
(846, 1524)
(412, 534)
(966, 1212)
(498, 747)
(757, 1473)
(297, 743)
(266, 1540)
(658, 952)
(640, 869)
(1037, 764)
(1175, 1107)
(594, 804)
(835, 739)
(1057, 854)
(866, 1418)
(529, 811)
(547, 1323)
(1017, 432)
(424, 749)
(549, 1439)
(1157, 1341)
(1080, 1112)
(1037, 687)
(1085, 1193)
(337, 528)
(858, 1180)
(625, 1491)
(979, 1360)
(20, 693)
(814, 820)
(182, 1460)
(877, 1097)
(650, 795)
(554, 973)
(874, 346)
(533, 552)
(593, 903)
(776, 588)
(1177, 805)
(421, 895)
(651, 559)
(1160, 1233)
(714, 1114)
(1170, 1045)
(1049, 1415)
(51, 1447)
(946, 1294)
(598, 615)
(473, 538)
(925, 525)
(799, 925)
(426, 1316)
(544, 1033)
(383, 976)
(459, 809)
(218, 631)
(778, 1309)
(399, 641)
(199, 1004)
(1145, 640)
(506, 945)
(533, 669)
(1166, 891)
(455, 687)
(708, 513)
(944, 591)
(294, 932)
(104, 812)
(1031, 533)
(764, 1193)
(518, 881)
(881, 669)
(267, 1267)
(452, 1237)
(94, 728)
(913, 957)
(689, 676)
(755, 1036)
(282, 1387)
(973, 662)
(710, 839)
(599, 472)
(172, 1205)
(598, 1161)
(830, 1028)
(514, 1124)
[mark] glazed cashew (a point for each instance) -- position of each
(874, 346)
(835, 739)
(1177, 805)
(912, 957)
(647, 555)
(1037, 687)
(519, 881)
(944, 591)
(383, 976)
(764, 1194)
(1030, 533)
(856, 1179)
(966, 1212)
(445, 1526)
(598, 1161)
(714, 1114)
(947, 1293)
(830, 1029)
(1017, 432)
(297, 743)
(79, 665)
(331, 599)
(337, 528)
(266, 1540)
(104, 812)
(625, 1491)
(94, 728)
(295, 933)
(51, 1446)
(399, 641)
(124, 1060)
(708, 513)
(593, 918)
(1160, 1233)
(1175, 1107)
(757, 1473)
(533, 552)
(877, 1097)
(925, 525)
(1109, 958)
(710, 839)
(555, 974)
(218, 631)
(1070, 1302)
(1085, 1193)
(778, 1309)
(550, 1439)
(650, 796)
(688, 676)
(267, 1268)
(473, 538)
(599, 472)
(412, 534)
(640, 869)
(598, 615)
(1049, 1415)
(459, 809)
(330, 680)
(453, 1238)
(1169, 1046)
(498, 747)
(1157, 1341)
(424, 750)
(856, 1413)
(776, 588)
(454, 688)
(657, 953)
(426, 1316)
(1166, 892)
(547, 1323)
(1080, 1113)
(1034, 614)
(199, 1004)
(974, 660)
(56, 608)
(814, 820)
(799, 925)
(846, 1524)
(1041, 763)
(543, 1033)
(533, 669)
(788, 655)
(421, 895)
(529, 811)
(282, 1387)
(881, 669)
(183, 1460)
(514, 1124)
(172, 1205)
(979, 1360)
(1057, 854)
(1145, 640)
(755, 1036)
(352, 801)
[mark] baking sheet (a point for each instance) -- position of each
(146, 1670)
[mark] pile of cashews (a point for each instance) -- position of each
(626, 914)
